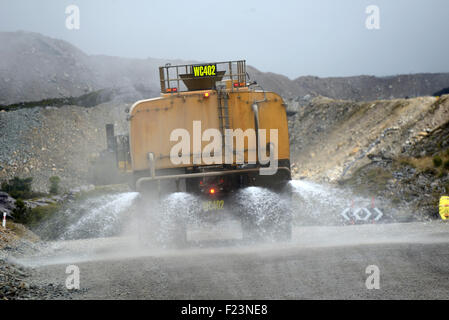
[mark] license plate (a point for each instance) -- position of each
(213, 205)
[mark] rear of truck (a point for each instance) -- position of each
(173, 143)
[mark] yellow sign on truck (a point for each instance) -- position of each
(444, 208)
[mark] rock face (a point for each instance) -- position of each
(45, 142)
(334, 140)
(367, 88)
(384, 148)
(7, 204)
(34, 67)
(16, 281)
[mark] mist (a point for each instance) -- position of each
(293, 38)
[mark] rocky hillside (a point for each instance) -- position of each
(43, 142)
(366, 88)
(384, 147)
(398, 149)
(34, 67)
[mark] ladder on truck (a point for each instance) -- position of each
(223, 116)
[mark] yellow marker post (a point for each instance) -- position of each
(444, 208)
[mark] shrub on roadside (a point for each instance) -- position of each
(18, 188)
(32, 217)
(54, 184)
(40, 214)
(437, 161)
(21, 213)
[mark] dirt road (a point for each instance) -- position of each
(320, 263)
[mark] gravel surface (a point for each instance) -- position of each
(320, 263)
(17, 281)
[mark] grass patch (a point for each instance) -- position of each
(31, 217)
(418, 163)
(39, 214)
(405, 162)
(21, 231)
(17, 228)
(426, 164)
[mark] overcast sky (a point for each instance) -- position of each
(294, 38)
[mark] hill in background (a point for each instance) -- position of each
(34, 67)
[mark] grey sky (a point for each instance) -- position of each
(294, 38)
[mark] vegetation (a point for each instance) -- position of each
(442, 174)
(427, 164)
(40, 214)
(437, 166)
(407, 162)
(446, 165)
(21, 212)
(437, 161)
(54, 184)
(430, 171)
(20, 188)
(32, 217)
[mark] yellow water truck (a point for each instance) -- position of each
(210, 132)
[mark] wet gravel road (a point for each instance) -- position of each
(320, 263)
